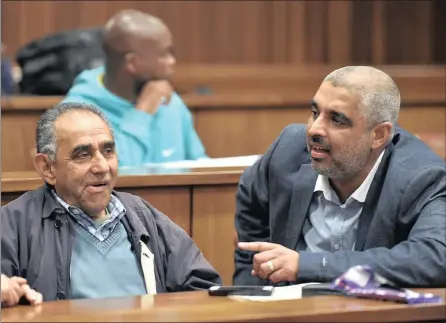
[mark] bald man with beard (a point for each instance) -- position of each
(150, 121)
(351, 188)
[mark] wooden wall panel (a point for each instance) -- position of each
(213, 226)
(303, 32)
(175, 202)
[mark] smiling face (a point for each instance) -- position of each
(85, 169)
(338, 139)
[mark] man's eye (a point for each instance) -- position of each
(83, 155)
(108, 151)
(337, 121)
(314, 113)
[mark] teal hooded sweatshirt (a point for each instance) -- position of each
(167, 135)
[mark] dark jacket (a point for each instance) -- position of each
(37, 241)
(402, 227)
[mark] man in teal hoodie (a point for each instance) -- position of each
(150, 121)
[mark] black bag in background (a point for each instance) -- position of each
(49, 65)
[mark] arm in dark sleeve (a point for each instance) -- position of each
(252, 215)
(187, 268)
(10, 243)
(419, 261)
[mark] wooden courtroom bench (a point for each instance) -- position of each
(198, 306)
(240, 110)
(201, 201)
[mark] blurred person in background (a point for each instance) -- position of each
(7, 84)
(151, 122)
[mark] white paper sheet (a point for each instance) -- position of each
(212, 162)
(278, 294)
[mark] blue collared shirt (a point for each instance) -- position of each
(331, 225)
(102, 230)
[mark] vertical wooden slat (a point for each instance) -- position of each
(278, 36)
(439, 32)
(315, 27)
(378, 36)
(425, 32)
(65, 19)
(188, 35)
(91, 13)
(235, 23)
(255, 32)
(339, 28)
(12, 34)
(361, 32)
(408, 33)
(34, 24)
(296, 31)
(208, 43)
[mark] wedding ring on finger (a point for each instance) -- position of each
(270, 265)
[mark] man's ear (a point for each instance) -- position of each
(381, 134)
(44, 167)
(130, 62)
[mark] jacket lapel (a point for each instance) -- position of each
(300, 201)
(371, 201)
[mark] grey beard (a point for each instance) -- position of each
(349, 163)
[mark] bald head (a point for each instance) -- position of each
(138, 47)
(125, 29)
(377, 92)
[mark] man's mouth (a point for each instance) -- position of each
(98, 186)
(318, 152)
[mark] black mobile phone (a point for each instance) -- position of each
(241, 290)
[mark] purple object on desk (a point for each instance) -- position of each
(364, 282)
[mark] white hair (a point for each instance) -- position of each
(46, 140)
(379, 95)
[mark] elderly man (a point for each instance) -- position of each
(76, 237)
(150, 121)
(350, 189)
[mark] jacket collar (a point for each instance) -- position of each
(371, 203)
(303, 189)
(300, 201)
(50, 204)
(130, 220)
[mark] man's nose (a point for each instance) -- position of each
(317, 128)
(172, 60)
(100, 164)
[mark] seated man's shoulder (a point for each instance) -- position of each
(293, 135)
(411, 158)
(291, 147)
(89, 75)
(32, 200)
(85, 85)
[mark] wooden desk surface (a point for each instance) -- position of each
(30, 180)
(199, 307)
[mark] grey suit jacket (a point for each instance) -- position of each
(402, 228)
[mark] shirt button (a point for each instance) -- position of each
(336, 247)
(60, 296)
